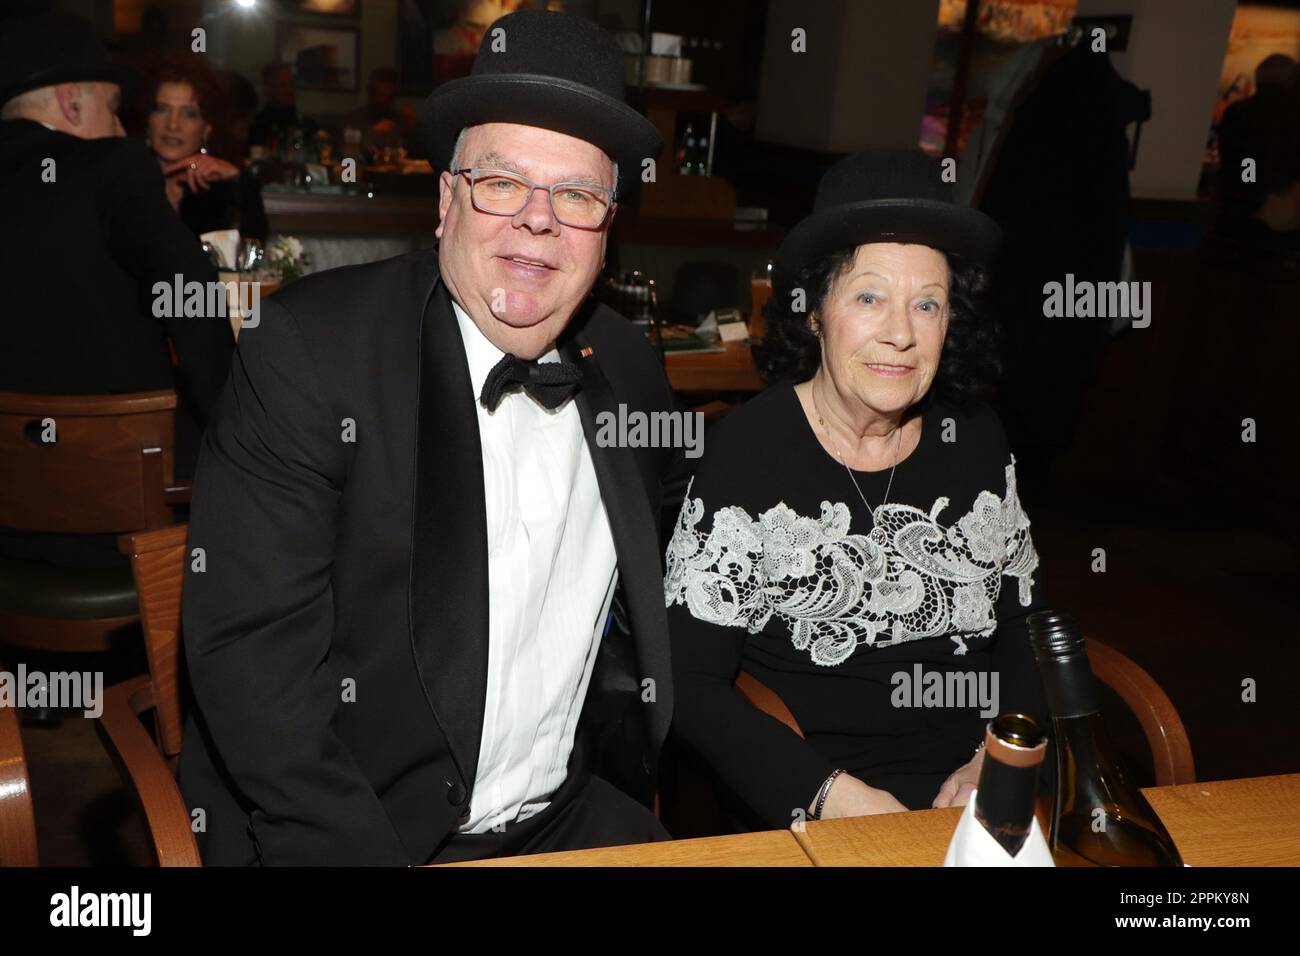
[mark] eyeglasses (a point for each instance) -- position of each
(498, 192)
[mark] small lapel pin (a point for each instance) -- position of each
(586, 352)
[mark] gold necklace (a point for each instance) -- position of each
(877, 533)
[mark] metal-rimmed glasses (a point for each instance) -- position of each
(500, 192)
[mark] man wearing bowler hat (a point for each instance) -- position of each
(428, 624)
(87, 233)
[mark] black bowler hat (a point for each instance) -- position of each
(48, 49)
(885, 195)
(554, 70)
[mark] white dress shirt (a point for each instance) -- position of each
(551, 575)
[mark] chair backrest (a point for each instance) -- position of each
(1171, 751)
(158, 565)
(17, 820)
(86, 464)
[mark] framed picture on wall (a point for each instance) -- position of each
(323, 57)
(322, 8)
(438, 39)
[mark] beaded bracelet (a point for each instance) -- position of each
(823, 793)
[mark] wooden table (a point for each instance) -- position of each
(1250, 822)
(728, 371)
(919, 838)
(770, 848)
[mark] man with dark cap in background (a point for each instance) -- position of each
(88, 232)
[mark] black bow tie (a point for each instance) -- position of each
(550, 383)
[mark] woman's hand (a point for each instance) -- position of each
(956, 790)
(199, 169)
(850, 797)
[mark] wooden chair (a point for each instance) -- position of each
(766, 700)
(143, 718)
(107, 470)
(1170, 749)
(17, 821)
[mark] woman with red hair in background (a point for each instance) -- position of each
(187, 125)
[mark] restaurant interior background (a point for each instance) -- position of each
(1130, 437)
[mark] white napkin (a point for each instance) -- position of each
(226, 242)
(972, 846)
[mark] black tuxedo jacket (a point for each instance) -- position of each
(336, 617)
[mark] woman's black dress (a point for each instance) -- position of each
(229, 204)
(772, 570)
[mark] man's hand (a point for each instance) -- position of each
(850, 797)
(199, 169)
(956, 790)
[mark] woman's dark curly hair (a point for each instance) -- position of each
(969, 367)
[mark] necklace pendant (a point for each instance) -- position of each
(879, 536)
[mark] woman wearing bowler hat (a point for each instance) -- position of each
(853, 537)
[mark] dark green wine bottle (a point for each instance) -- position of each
(1100, 817)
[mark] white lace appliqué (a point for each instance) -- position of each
(837, 590)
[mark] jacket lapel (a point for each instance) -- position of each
(634, 526)
(449, 559)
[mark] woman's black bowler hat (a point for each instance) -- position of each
(554, 70)
(885, 195)
(48, 49)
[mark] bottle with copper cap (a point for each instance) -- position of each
(998, 828)
(1014, 746)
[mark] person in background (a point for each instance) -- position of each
(87, 234)
(1058, 185)
(381, 121)
(1250, 127)
(188, 128)
(281, 110)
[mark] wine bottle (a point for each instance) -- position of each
(1100, 817)
(1014, 747)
